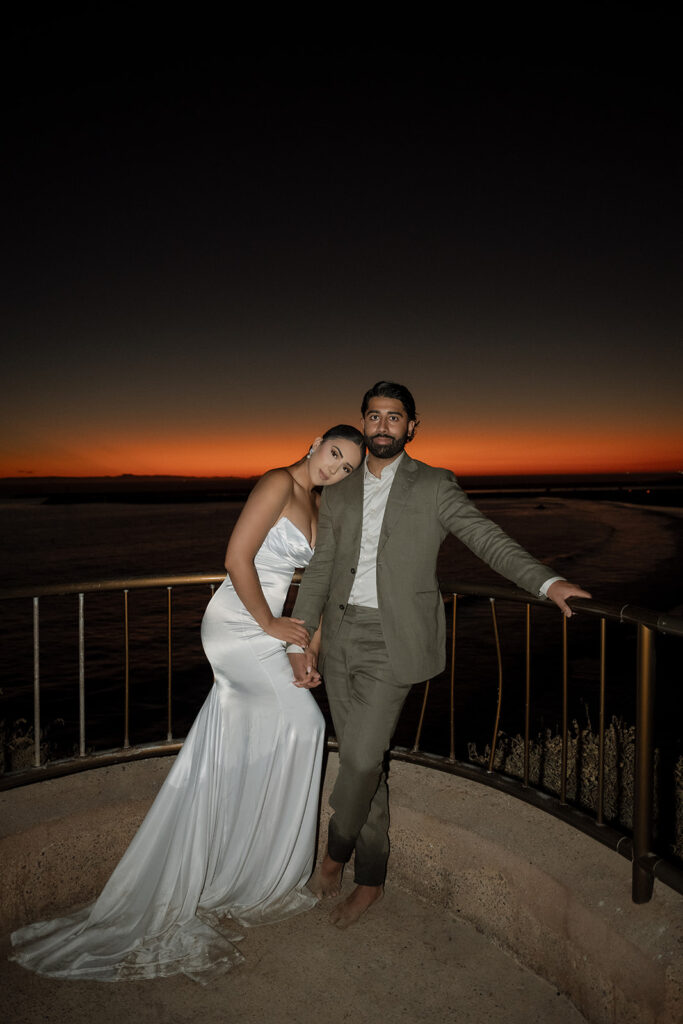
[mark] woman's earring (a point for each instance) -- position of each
(310, 452)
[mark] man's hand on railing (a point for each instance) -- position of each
(560, 590)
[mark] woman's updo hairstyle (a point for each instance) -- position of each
(345, 433)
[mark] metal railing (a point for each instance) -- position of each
(646, 866)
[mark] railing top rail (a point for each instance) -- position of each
(96, 586)
(661, 622)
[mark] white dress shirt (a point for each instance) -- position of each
(375, 496)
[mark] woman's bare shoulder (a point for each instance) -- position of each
(274, 483)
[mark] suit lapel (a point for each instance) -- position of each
(405, 478)
(350, 492)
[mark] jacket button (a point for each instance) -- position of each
(353, 571)
(341, 607)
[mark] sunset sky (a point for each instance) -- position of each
(208, 257)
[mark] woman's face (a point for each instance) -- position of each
(333, 460)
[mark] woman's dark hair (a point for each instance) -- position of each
(387, 389)
(346, 433)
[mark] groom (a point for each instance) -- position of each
(373, 581)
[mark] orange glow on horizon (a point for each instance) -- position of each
(468, 454)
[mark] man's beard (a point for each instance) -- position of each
(386, 451)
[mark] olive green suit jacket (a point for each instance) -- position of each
(424, 505)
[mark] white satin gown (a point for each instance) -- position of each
(229, 840)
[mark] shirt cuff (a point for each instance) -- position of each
(548, 583)
(295, 649)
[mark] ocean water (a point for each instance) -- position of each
(622, 553)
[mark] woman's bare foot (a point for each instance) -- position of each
(325, 882)
(354, 906)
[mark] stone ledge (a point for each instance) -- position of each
(555, 899)
(61, 839)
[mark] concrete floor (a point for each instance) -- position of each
(404, 962)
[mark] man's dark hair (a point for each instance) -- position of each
(387, 389)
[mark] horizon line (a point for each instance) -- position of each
(231, 476)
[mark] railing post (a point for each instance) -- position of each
(126, 671)
(452, 697)
(601, 739)
(565, 714)
(418, 734)
(81, 675)
(36, 683)
(527, 693)
(642, 879)
(494, 741)
(169, 696)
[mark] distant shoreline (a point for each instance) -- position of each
(664, 489)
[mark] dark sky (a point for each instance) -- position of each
(211, 251)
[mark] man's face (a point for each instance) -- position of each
(386, 427)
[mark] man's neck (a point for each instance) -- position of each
(375, 465)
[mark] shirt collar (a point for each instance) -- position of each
(388, 473)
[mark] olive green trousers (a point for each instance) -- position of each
(365, 703)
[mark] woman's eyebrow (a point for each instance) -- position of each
(339, 453)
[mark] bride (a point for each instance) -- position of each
(229, 839)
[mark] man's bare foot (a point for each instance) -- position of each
(325, 881)
(354, 906)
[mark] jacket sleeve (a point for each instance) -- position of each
(486, 539)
